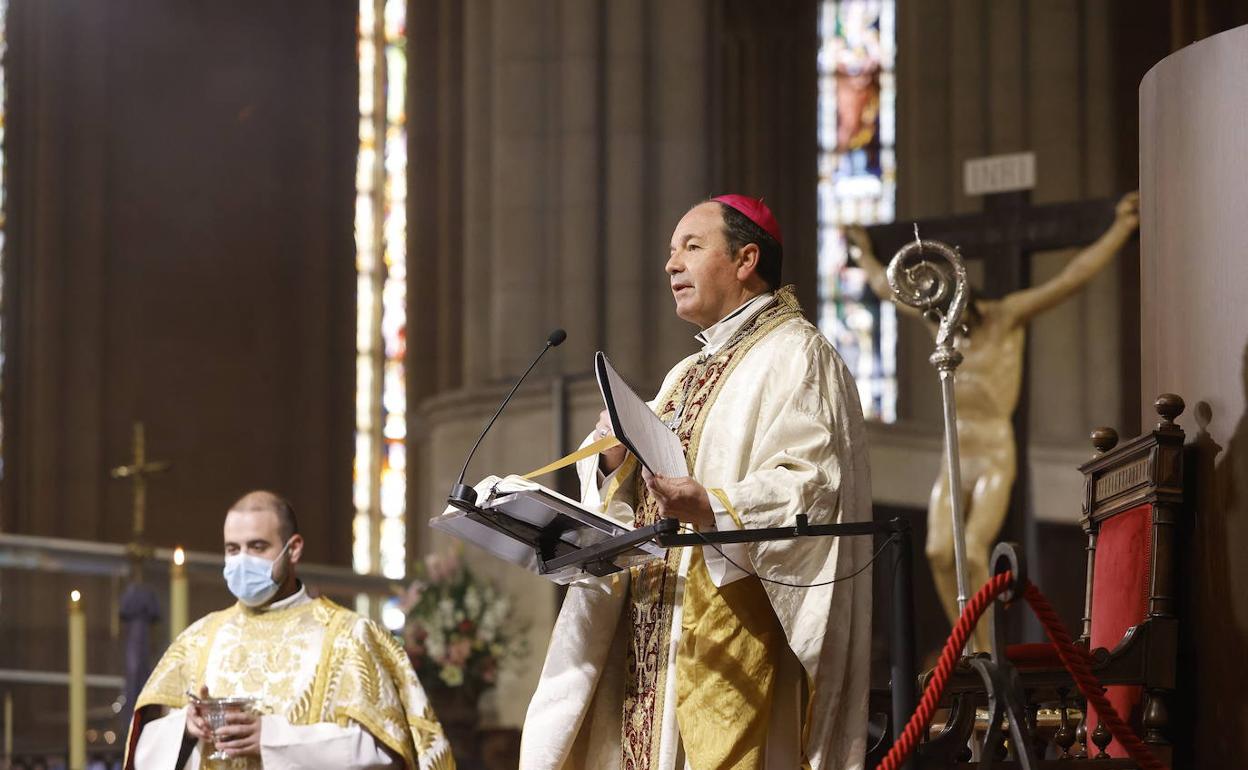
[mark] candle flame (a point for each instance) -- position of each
(179, 556)
(75, 596)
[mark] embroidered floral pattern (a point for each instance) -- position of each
(315, 662)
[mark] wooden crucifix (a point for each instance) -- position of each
(991, 384)
(1005, 234)
(138, 470)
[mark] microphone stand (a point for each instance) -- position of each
(461, 492)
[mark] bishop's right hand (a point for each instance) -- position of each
(196, 723)
(608, 459)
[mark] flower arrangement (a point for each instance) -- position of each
(458, 628)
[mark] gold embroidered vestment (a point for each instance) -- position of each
(311, 663)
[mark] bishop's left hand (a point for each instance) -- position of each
(240, 737)
(681, 498)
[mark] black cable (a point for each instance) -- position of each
(854, 574)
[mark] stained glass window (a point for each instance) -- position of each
(4, 37)
(857, 185)
(380, 481)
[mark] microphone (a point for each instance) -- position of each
(464, 493)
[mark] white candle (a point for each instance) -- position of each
(77, 683)
(177, 594)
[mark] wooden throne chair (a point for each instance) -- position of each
(1132, 515)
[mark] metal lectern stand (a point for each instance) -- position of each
(554, 554)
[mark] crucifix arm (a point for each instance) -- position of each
(864, 254)
(1028, 303)
(128, 471)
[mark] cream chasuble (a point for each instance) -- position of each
(335, 690)
(697, 662)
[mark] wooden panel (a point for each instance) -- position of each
(179, 251)
(764, 125)
(182, 254)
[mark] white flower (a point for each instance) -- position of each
(452, 675)
(435, 644)
(472, 601)
(488, 628)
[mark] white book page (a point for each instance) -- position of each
(637, 427)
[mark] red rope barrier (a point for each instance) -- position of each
(1075, 659)
(949, 656)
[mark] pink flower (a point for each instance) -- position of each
(441, 566)
(411, 597)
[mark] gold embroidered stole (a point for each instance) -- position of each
(726, 665)
(652, 587)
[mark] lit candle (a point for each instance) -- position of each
(77, 683)
(177, 594)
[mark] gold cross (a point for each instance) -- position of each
(139, 470)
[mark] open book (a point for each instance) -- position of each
(517, 519)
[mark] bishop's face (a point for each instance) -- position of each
(705, 276)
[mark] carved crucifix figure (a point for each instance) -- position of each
(138, 470)
(988, 387)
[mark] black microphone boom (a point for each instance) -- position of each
(464, 493)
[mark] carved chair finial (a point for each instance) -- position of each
(1104, 439)
(1169, 406)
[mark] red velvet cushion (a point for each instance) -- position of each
(1120, 595)
(1033, 656)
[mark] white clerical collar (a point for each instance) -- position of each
(294, 600)
(717, 334)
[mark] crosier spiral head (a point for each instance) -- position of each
(931, 277)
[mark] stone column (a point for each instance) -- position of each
(1194, 342)
(584, 139)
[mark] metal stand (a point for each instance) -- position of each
(901, 650)
(992, 678)
(1006, 704)
(554, 554)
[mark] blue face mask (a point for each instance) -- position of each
(251, 578)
